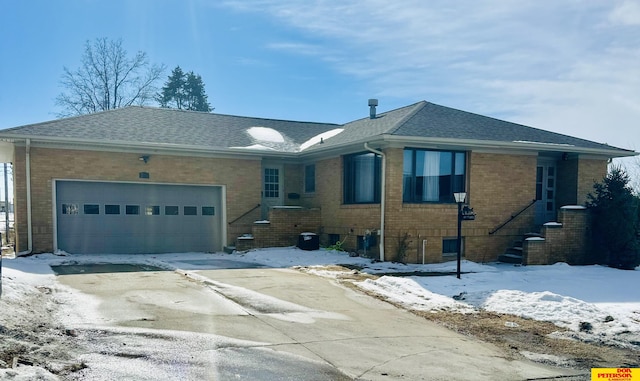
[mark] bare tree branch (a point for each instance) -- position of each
(107, 79)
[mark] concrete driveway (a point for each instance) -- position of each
(286, 311)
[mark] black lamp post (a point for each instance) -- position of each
(459, 197)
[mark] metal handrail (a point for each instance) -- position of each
(249, 211)
(513, 217)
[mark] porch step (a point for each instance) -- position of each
(244, 242)
(510, 258)
(514, 253)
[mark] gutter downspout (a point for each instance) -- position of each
(28, 174)
(383, 188)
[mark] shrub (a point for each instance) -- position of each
(615, 216)
(403, 246)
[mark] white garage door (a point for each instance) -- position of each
(105, 217)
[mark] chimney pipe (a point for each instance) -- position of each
(372, 108)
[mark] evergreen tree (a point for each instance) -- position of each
(195, 94)
(172, 91)
(615, 213)
(184, 91)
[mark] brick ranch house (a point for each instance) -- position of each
(151, 180)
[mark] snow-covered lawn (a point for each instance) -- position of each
(596, 303)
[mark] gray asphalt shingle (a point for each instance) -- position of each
(167, 126)
(149, 125)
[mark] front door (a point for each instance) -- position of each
(272, 187)
(546, 191)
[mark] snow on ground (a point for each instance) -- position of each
(596, 303)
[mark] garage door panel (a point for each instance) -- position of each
(128, 232)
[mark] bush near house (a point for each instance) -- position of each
(615, 212)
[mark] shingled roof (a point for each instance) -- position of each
(431, 122)
(161, 126)
(422, 121)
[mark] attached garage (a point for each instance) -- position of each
(128, 218)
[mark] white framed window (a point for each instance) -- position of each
(310, 178)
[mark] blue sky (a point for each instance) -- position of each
(566, 66)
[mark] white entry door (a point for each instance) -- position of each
(272, 187)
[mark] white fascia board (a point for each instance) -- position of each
(477, 145)
(158, 148)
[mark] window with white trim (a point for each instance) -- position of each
(362, 178)
(432, 176)
(310, 178)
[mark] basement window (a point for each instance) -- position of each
(366, 242)
(449, 247)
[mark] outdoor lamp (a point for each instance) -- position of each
(459, 197)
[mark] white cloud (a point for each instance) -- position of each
(625, 13)
(569, 67)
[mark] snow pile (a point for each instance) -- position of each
(265, 138)
(596, 303)
(407, 293)
(319, 138)
(265, 134)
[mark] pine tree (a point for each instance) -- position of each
(184, 91)
(172, 92)
(615, 213)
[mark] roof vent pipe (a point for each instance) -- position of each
(372, 108)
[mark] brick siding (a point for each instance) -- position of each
(498, 185)
(284, 227)
(241, 178)
(566, 241)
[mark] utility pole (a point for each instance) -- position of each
(6, 205)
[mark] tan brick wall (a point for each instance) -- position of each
(284, 227)
(241, 178)
(590, 171)
(348, 221)
(566, 241)
(534, 252)
(293, 184)
(499, 185)
(576, 178)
